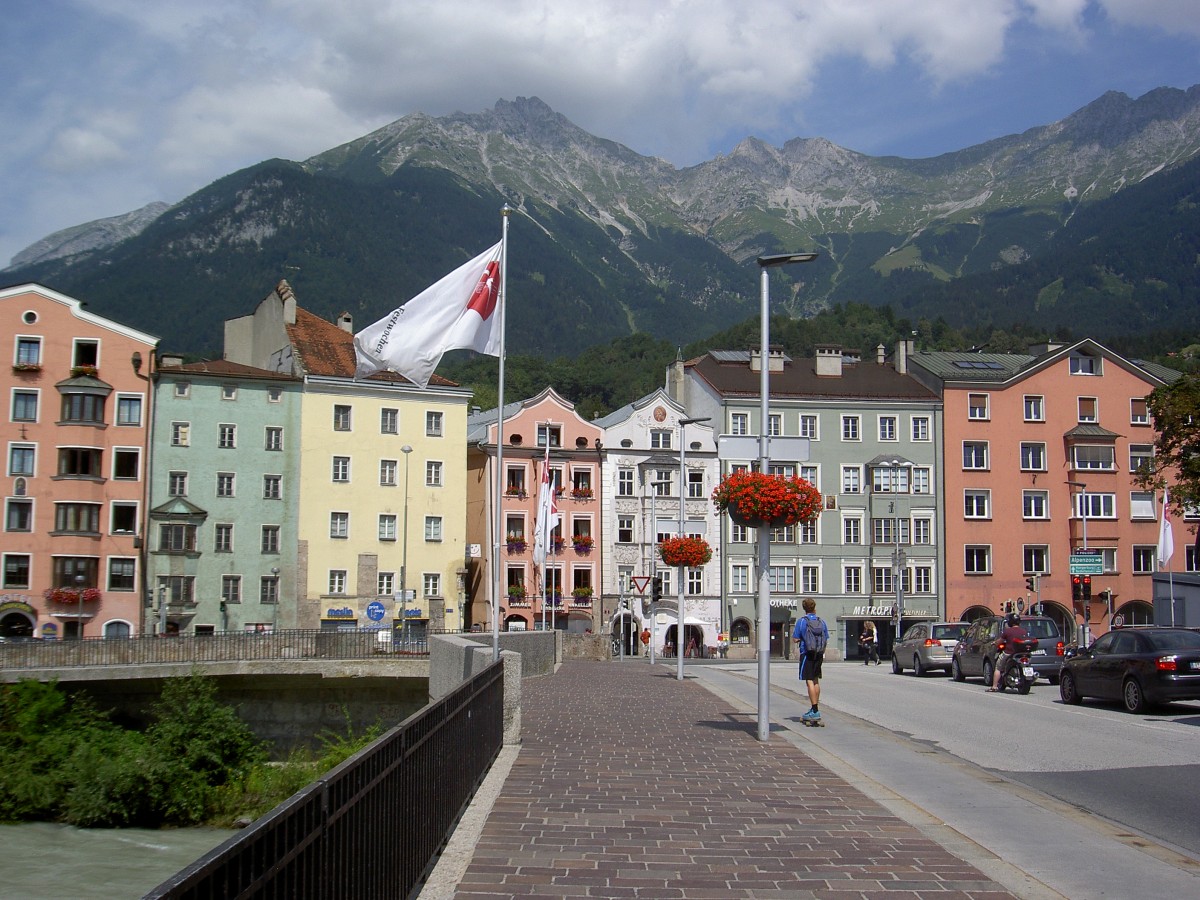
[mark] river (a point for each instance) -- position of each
(45, 861)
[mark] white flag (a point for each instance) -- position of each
(1166, 537)
(460, 312)
(547, 512)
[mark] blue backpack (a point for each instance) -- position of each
(816, 636)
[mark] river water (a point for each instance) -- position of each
(43, 861)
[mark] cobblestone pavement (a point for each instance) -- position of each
(630, 783)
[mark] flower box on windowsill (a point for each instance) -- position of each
(583, 543)
(516, 493)
(76, 371)
(516, 545)
(582, 493)
(26, 367)
(556, 545)
(70, 595)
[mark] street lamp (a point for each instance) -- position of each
(764, 458)
(275, 609)
(679, 629)
(1083, 628)
(79, 580)
(654, 491)
(407, 451)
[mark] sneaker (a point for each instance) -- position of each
(812, 715)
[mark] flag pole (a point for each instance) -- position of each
(498, 481)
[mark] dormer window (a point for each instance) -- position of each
(551, 433)
(1083, 364)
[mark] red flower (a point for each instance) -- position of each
(774, 499)
(685, 551)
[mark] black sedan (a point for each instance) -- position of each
(1138, 666)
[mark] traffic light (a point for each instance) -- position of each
(1031, 583)
(1087, 590)
(656, 589)
(1077, 589)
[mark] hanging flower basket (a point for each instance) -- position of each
(685, 551)
(756, 499)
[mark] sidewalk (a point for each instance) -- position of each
(630, 783)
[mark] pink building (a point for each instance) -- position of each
(1041, 452)
(569, 599)
(78, 395)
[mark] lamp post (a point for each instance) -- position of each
(764, 458)
(407, 451)
(162, 608)
(79, 581)
(654, 490)
(275, 610)
(1082, 505)
(679, 627)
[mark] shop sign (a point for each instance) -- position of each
(783, 602)
(344, 613)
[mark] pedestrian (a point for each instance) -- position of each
(811, 635)
(868, 642)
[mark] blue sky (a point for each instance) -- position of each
(112, 104)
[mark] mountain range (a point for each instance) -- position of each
(1087, 224)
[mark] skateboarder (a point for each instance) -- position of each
(811, 635)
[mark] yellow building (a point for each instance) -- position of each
(382, 506)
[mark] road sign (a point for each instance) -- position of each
(1087, 562)
(640, 583)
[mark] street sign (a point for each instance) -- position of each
(640, 583)
(1087, 562)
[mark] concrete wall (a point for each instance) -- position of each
(455, 658)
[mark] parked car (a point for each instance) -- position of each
(927, 645)
(1139, 667)
(975, 655)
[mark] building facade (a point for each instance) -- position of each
(77, 388)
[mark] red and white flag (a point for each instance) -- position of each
(1166, 536)
(547, 512)
(460, 312)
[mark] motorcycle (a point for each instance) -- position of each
(1018, 672)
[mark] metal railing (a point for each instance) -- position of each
(229, 646)
(372, 827)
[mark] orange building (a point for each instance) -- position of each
(1041, 453)
(75, 435)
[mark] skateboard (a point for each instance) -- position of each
(813, 723)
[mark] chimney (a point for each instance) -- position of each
(829, 360)
(774, 360)
(171, 361)
(904, 349)
(880, 354)
(346, 322)
(284, 291)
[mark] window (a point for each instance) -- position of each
(80, 462)
(922, 580)
(176, 538)
(550, 433)
(889, 480)
(695, 489)
(337, 581)
(1082, 364)
(1084, 456)
(1141, 505)
(660, 439)
(20, 459)
(433, 424)
(852, 530)
(183, 389)
(811, 474)
(433, 473)
(808, 426)
(810, 579)
(177, 484)
(661, 484)
(77, 518)
(272, 487)
(231, 588)
(270, 539)
(1035, 408)
(223, 538)
(1143, 560)
(1095, 506)
(883, 580)
(387, 527)
(227, 437)
(274, 435)
(1139, 412)
(385, 584)
(274, 395)
(975, 454)
(181, 589)
(83, 409)
(977, 560)
(129, 411)
(783, 535)
(922, 480)
(1141, 456)
(341, 417)
(850, 431)
(18, 515)
(29, 351)
(229, 392)
(852, 579)
(389, 421)
(514, 481)
(738, 534)
(695, 582)
(268, 589)
(431, 584)
(624, 482)
(921, 428)
(1035, 559)
(387, 472)
(225, 483)
(888, 428)
(16, 570)
(514, 527)
(123, 518)
(851, 479)
(977, 406)
(339, 525)
(774, 424)
(890, 531)
(977, 504)
(1033, 457)
(739, 423)
(341, 469)
(85, 353)
(122, 574)
(433, 528)
(739, 579)
(1035, 505)
(181, 434)
(922, 531)
(127, 463)
(24, 406)
(782, 579)
(1088, 410)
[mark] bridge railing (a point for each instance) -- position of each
(231, 646)
(372, 827)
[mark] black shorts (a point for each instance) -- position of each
(810, 666)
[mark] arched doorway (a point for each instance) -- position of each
(515, 622)
(624, 632)
(971, 613)
(16, 624)
(1135, 612)
(1062, 617)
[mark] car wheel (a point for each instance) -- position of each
(988, 672)
(956, 670)
(918, 669)
(1132, 696)
(896, 670)
(1067, 690)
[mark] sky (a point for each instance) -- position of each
(108, 105)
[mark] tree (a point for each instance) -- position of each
(1175, 411)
